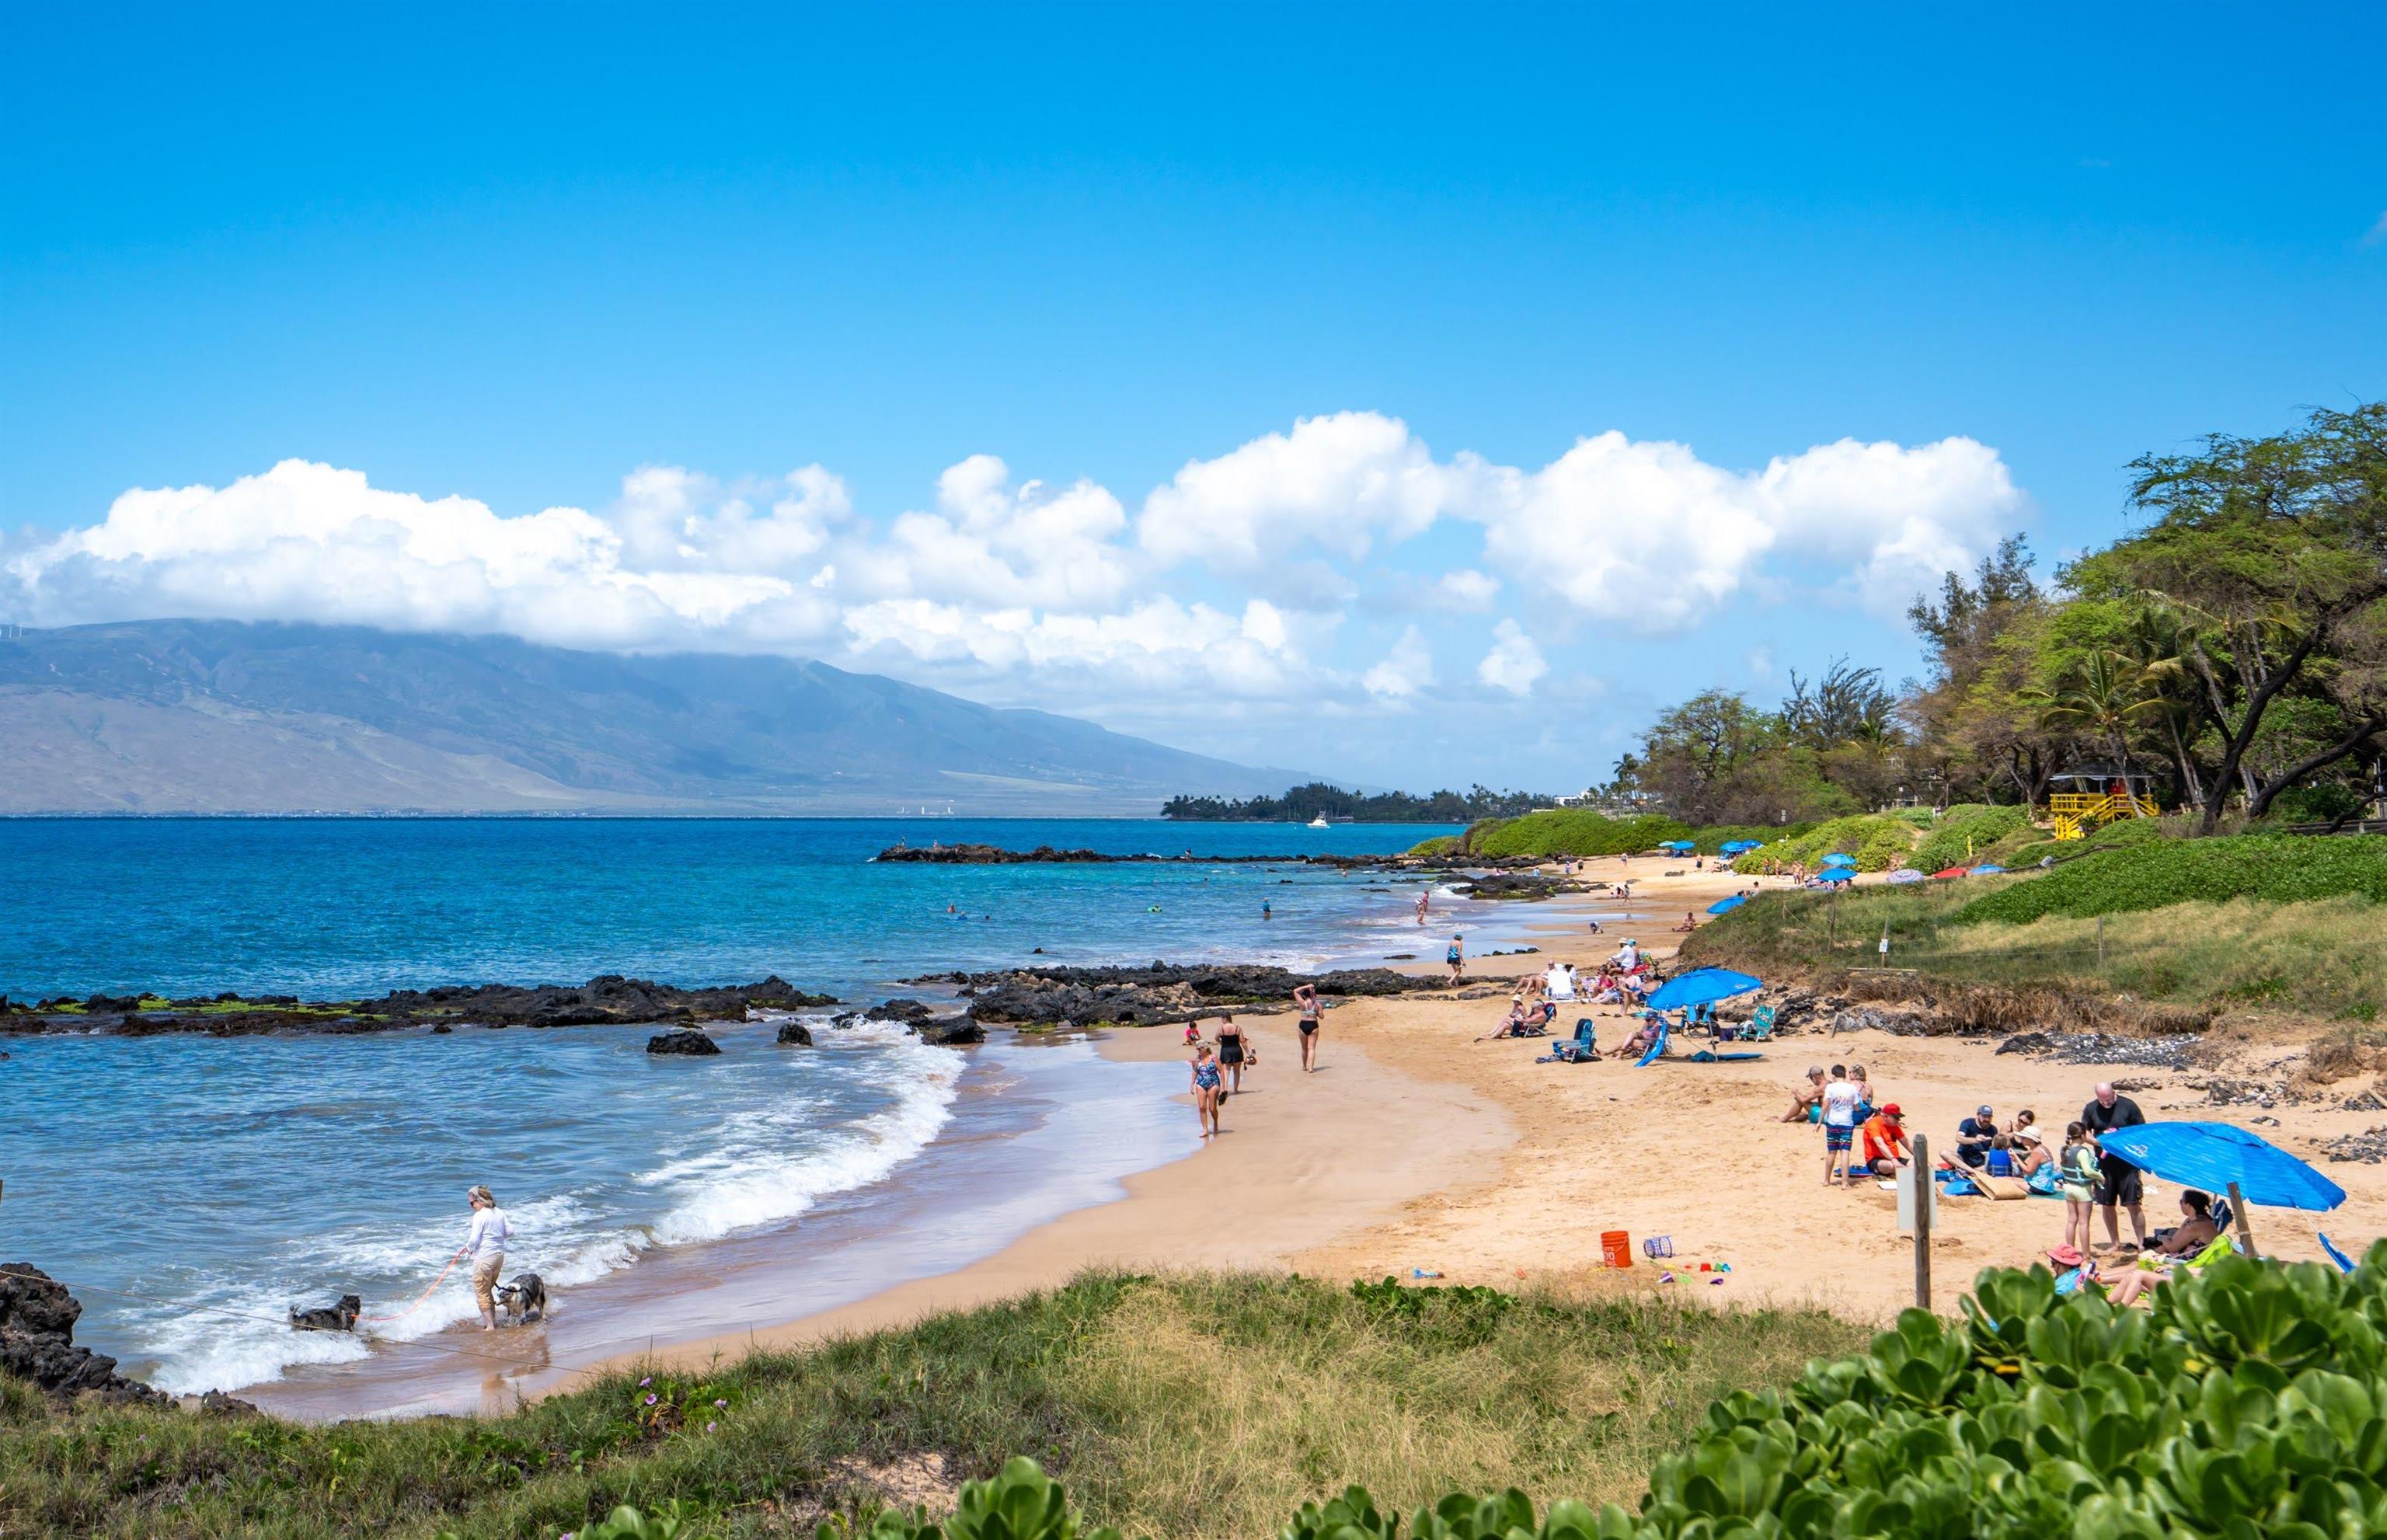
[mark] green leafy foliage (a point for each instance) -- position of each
(1580, 832)
(2153, 873)
(1965, 833)
(1878, 842)
(2249, 1402)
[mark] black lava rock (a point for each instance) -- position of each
(686, 1039)
(37, 1318)
(795, 1034)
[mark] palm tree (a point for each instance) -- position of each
(2102, 696)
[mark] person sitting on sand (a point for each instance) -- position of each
(1974, 1137)
(1886, 1148)
(1558, 983)
(1206, 1090)
(1690, 921)
(1632, 989)
(1193, 1034)
(2196, 1231)
(1640, 1042)
(1804, 1104)
(1628, 956)
(1512, 1025)
(1866, 1101)
(2031, 1153)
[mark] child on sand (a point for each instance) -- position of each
(1206, 1090)
(2077, 1175)
(1839, 1124)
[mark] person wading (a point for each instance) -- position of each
(485, 1245)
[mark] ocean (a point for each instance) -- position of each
(192, 1188)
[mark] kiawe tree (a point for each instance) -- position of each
(2273, 552)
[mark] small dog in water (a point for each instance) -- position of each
(332, 1318)
(525, 1299)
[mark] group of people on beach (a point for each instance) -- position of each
(1218, 1066)
(1865, 1139)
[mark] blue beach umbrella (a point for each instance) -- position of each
(2219, 1156)
(1702, 987)
(1840, 858)
(1726, 906)
(1836, 874)
(2222, 1157)
(1675, 845)
(1906, 874)
(1734, 847)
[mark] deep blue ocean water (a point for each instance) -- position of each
(222, 1180)
(335, 907)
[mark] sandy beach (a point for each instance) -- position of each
(1415, 1147)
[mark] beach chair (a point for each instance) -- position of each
(1760, 1024)
(1658, 1048)
(1578, 1049)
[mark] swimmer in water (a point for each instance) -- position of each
(1266, 912)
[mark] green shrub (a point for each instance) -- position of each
(1965, 833)
(1440, 845)
(1576, 831)
(2249, 1402)
(1872, 838)
(2146, 871)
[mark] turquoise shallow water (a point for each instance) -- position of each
(223, 1180)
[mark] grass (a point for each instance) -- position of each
(2316, 958)
(1190, 1406)
(2160, 873)
(1878, 840)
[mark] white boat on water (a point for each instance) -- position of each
(1319, 822)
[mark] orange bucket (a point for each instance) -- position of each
(1616, 1248)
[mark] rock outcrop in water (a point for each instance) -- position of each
(37, 1318)
(1162, 993)
(685, 1039)
(795, 1034)
(608, 1000)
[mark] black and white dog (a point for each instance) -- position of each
(525, 1299)
(331, 1317)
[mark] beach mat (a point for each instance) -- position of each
(1709, 1055)
(2001, 1188)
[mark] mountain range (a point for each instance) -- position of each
(179, 716)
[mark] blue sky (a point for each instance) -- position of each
(786, 271)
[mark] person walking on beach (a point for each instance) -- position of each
(2117, 1181)
(485, 1245)
(1421, 904)
(1304, 999)
(1231, 1056)
(1456, 958)
(1206, 1090)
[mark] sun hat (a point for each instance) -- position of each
(2066, 1257)
(2029, 1136)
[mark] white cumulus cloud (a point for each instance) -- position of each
(1514, 661)
(1405, 670)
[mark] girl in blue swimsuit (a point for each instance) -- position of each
(1205, 1089)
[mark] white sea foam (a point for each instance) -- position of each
(759, 1166)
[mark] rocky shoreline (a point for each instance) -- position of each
(607, 999)
(1153, 995)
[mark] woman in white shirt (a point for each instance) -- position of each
(485, 1245)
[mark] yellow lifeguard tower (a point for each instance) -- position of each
(2098, 794)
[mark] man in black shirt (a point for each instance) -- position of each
(2117, 1179)
(1975, 1136)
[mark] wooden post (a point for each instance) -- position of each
(2239, 1219)
(1923, 1195)
(2101, 940)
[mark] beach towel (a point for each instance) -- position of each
(1709, 1055)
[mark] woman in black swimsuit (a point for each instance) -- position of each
(1231, 1054)
(1306, 998)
